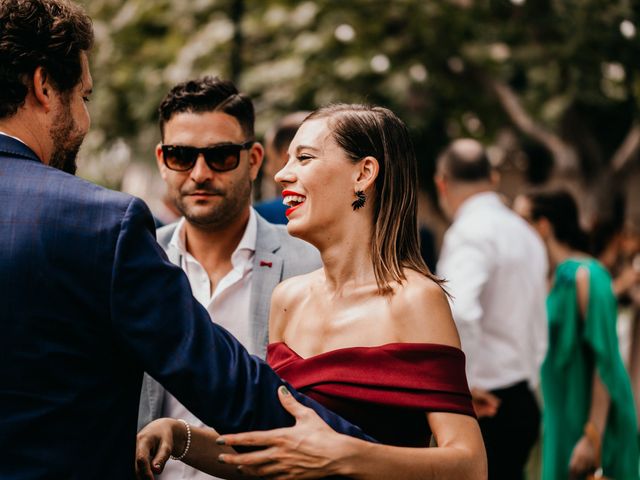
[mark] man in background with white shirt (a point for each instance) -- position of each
(233, 257)
(495, 266)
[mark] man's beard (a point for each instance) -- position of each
(66, 140)
(219, 216)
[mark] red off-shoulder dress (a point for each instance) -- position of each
(385, 390)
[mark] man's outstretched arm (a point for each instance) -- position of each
(155, 315)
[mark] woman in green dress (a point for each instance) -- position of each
(589, 419)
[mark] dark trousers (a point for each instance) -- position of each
(511, 433)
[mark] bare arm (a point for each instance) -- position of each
(310, 449)
(168, 436)
(587, 451)
(459, 454)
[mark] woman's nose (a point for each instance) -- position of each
(284, 175)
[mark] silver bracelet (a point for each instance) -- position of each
(187, 445)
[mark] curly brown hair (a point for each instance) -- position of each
(40, 33)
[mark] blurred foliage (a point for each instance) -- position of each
(573, 64)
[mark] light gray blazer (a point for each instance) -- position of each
(278, 256)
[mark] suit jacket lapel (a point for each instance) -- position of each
(267, 273)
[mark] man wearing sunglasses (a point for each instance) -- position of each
(233, 257)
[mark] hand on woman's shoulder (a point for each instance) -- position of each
(421, 310)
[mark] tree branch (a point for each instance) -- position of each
(628, 148)
(564, 155)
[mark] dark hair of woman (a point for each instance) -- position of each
(361, 131)
(561, 210)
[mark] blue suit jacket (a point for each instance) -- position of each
(273, 211)
(88, 301)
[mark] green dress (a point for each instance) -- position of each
(575, 347)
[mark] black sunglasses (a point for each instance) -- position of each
(220, 158)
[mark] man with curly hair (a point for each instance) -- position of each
(89, 301)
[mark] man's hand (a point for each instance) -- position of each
(485, 403)
(306, 450)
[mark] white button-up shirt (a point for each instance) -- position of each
(495, 265)
(228, 306)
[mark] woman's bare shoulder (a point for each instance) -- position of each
(288, 295)
(421, 308)
(292, 288)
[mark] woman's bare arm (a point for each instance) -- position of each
(587, 450)
(311, 449)
(167, 436)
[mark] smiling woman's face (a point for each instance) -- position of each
(318, 181)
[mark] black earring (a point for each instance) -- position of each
(360, 200)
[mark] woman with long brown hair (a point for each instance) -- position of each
(370, 335)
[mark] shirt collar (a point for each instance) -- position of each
(248, 241)
(245, 248)
(478, 201)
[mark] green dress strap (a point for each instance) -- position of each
(576, 347)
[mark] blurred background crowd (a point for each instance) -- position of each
(551, 87)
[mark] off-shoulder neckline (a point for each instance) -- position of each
(391, 345)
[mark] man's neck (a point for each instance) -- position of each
(465, 191)
(213, 248)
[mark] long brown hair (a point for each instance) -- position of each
(361, 131)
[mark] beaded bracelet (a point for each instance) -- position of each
(187, 445)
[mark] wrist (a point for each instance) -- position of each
(594, 437)
(352, 453)
(181, 433)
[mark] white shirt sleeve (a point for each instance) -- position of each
(466, 266)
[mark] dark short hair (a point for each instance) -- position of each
(364, 130)
(208, 94)
(40, 33)
(561, 210)
(462, 167)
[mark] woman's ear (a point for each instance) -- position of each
(367, 173)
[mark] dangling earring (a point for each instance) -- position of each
(360, 200)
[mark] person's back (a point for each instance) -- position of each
(55, 270)
(515, 256)
(567, 374)
(495, 268)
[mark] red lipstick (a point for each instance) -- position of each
(286, 193)
(291, 192)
